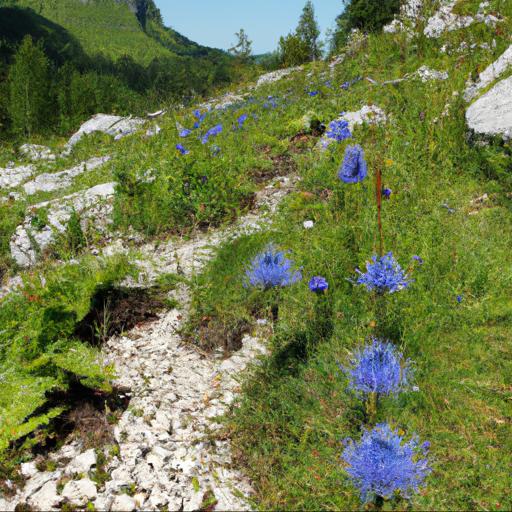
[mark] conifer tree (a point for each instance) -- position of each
(29, 86)
(243, 48)
(308, 31)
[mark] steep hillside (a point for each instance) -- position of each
(110, 27)
(345, 225)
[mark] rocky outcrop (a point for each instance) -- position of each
(491, 114)
(116, 126)
(410, 13)
(445, 20)
(49, 182)
(35, 152)
(11, 177)
(275, 76)
(490, 74)
(45, 220)
(170, 451)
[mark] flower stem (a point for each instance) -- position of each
(371, 408)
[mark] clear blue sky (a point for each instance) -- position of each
(214, 22)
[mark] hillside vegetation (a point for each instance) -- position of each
(101, 56)
(432, 194)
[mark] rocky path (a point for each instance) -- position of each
(170, 453)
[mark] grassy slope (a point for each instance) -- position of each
(295, 411)
(105, 27)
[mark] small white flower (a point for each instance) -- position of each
(308, 224)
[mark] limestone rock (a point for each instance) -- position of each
(426, 74)
(94, 207)
(410, 12)
(491, 114)
(275, 76)
(35, 152)
(46, 498)
(116, 126)
(49, 182)
(11, 177)
(80, 492)
(445, 20)
(490, 74)
(123, 503)
(83, 463)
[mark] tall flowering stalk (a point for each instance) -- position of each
(323, 325)
(271, 269)
(376, 370)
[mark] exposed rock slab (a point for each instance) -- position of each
(410, 12)
(49, 182)
(490, 74)
(275, 76)
(35, 152)
(491, 114)
(116, 126)
(445, 20)
(94, 207)
(11, 177)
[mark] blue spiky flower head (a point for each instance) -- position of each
(379, 367)
(271, 269)
(383, 275)
(382, 463)
(338, 130)
(354, 168)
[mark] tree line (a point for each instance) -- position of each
(304, 45)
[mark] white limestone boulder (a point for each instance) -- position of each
(11, 177)
(275, 76)
(116, 126)
(491, 114)
(490, 74)
(49, 182)
(35, 152)
(94, 206)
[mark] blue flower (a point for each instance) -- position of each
(378, 368)
(182, 149)
(338, 130)
(382, 463)
(354, 168)
(185, 132)
(419, 259)
(211, 132)
(200, 117)
(241, 120)
(383, 274)
(271, 269)
(318, 284)
(387, 193)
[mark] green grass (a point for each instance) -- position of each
(295, 409)
(105, 27)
